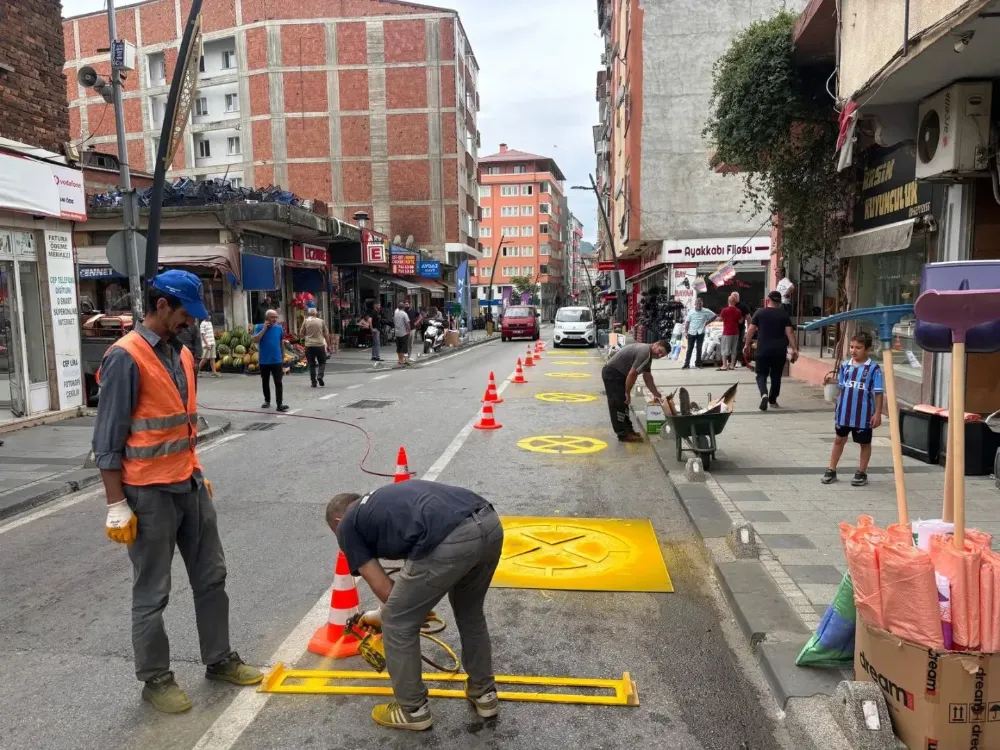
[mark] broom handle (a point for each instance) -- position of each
(956, 431)
(948, 509)
(894, 437)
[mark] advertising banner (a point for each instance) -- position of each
(65, 318)
(683, 280)
(717, 249)
(403, 264)
(37, 187)
(429, 269)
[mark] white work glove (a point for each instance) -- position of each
(372, 618)
(121, 524)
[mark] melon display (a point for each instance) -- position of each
(240, 350)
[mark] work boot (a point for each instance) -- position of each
(232, 669)
(632, 437)
(394, 716)
(166, 695)
(283, 408)
(487, 705)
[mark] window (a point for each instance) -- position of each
(545, 187)
(204, 149)
(228, 59)
(527, 231)
(232, 102)
(527, 270)
(234, 146)
(201, 64)
(157, 69)
(544, 249)
(486, 272)
(509, 271)
(487, 251)
(485, 231)
(492, 170)
(544, 268)
(485, 191)
(235, 182)
(527, 210)
(574, 315)
(201, 106)
(520, 169)
(487, 213)
(472, 270)
(509, 252)
(527, 251)
(525, 189)
(543, 228)
(508, 210)
(544, 208)
(508, 190)
(509, 231)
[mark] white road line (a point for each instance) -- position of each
(356, 385)
(48, 510)
(447, 357)
(248, 704)
(222, 440)
(288, 413)
(381, 377)
(328, 396)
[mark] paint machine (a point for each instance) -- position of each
(370, 642)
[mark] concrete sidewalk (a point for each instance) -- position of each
(767, 472)
(45, 462)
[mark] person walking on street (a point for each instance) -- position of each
(694, 329)
(190, 336)
(416, 322)
(732, 320)
(745, 312)
(401, 322)
(450, 539)
(157, 497)
(208, 351)
(620, 374)
(316, 339)
(376, 324)
(773, 330)
(268, 336)
(786, 288)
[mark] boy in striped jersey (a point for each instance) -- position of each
(859, 408)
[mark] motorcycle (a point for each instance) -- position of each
(434, 336)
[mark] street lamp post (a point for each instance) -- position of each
(620, 293)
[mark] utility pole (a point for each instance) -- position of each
(130, 200)
(619, 294)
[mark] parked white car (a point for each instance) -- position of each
(574, 325)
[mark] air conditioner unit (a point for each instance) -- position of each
(953, 131)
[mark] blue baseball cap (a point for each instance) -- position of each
(186, 287)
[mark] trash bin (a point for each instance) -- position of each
(602, 337)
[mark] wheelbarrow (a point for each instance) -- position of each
(696, 433)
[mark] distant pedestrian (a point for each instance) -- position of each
(746, 312)
(773, 328)
(208, 351)
(416, 321)
(191, 338)
(694, 329)
(786, 289)
(316, 339)
(268, 336)
(376, 324)
(401, 322)
(620, 374)
(732, 320)
(859, 408)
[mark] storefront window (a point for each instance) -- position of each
(893, 279)
(261, 302)
(34, 333)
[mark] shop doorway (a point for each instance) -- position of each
(13, 402)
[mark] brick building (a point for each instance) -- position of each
(369, 105)
(523, 202)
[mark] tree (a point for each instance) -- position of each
(523, 284)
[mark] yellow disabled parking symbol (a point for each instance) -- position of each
(567, 375)
(566, 398)
(569, 362)
(562, 445)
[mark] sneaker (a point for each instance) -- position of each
(487, 705)
(282, 408)
(685, 367)
(860, 479)
(321, 383)
(774, 404)
(829, 477)
(232, 669)
(394, 716)
(313, 384)
(266, 405)
(166, 695)
(632, 437)
(763, 403)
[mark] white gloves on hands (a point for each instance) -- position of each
(121, 524)
(372, 618)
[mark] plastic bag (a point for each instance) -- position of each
(909, 594)
(962, 568)
(989, 610)
(832, 645)
(860, 548)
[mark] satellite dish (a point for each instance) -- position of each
(397, 240)
(409, 242)
(117, 257)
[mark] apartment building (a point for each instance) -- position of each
(523, 199)
(367, 105)
(573, 255)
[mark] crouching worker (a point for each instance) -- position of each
(450, 539)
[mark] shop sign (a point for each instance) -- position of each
(651, 259)
(717, 249)
(37, 187)
(404, 264)
(684, 285)
(429, 269)
(65, 318)
(19, 244)
(98, 272)
(309, 254)
(605, 265)
(889, 191)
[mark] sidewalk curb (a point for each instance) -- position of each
(75, 480)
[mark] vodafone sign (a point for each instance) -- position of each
(717, 250)
(41, 188)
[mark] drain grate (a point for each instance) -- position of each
(370, 403)
(260, 426)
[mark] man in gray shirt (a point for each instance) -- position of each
(401, 322)
(619, 376)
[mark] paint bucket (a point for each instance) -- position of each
(830, 391)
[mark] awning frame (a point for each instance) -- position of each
(890, 238)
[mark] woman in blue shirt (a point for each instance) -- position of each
(268, 336)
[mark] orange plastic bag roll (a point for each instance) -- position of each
(899, 534)
(986, 625)
(863, 564)
(980, 539)
(962, 569)
(909, 594)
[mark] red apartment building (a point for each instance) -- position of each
(368, 105)
(522, 200)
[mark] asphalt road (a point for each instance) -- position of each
(65, 652)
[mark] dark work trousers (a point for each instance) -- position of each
(462, 567)
(187, 521)
(739, 345)
(266, 373)
(614, 388)
(770, 365)
(694, 343)
(316, 357)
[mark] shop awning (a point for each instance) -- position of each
(436, 289)
(408, 286)
(223, 258)
(887, 239)
(260, 273)
(646, 274)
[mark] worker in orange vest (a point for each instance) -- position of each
(145, 446)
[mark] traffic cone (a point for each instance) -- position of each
(330, 640)
(518, 373)
(492, 397)
(486, 420)
(528, 360)
(537, 353)
(402, 467)
(540, 345)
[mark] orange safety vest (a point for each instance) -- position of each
(160, 448)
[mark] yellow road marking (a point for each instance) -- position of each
(567, 375)
(562, 445)
(566, 398)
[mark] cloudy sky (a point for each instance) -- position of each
(538, 63)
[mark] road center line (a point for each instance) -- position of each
(356, 385)
(381, 377)
(248, 704)
(328, 396)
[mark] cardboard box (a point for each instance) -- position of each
(451, 338)
(654, 418)
(938, 700)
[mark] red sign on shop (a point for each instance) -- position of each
(404, 264)
(605, 265)
(309, 254)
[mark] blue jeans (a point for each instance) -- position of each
(376, 344)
